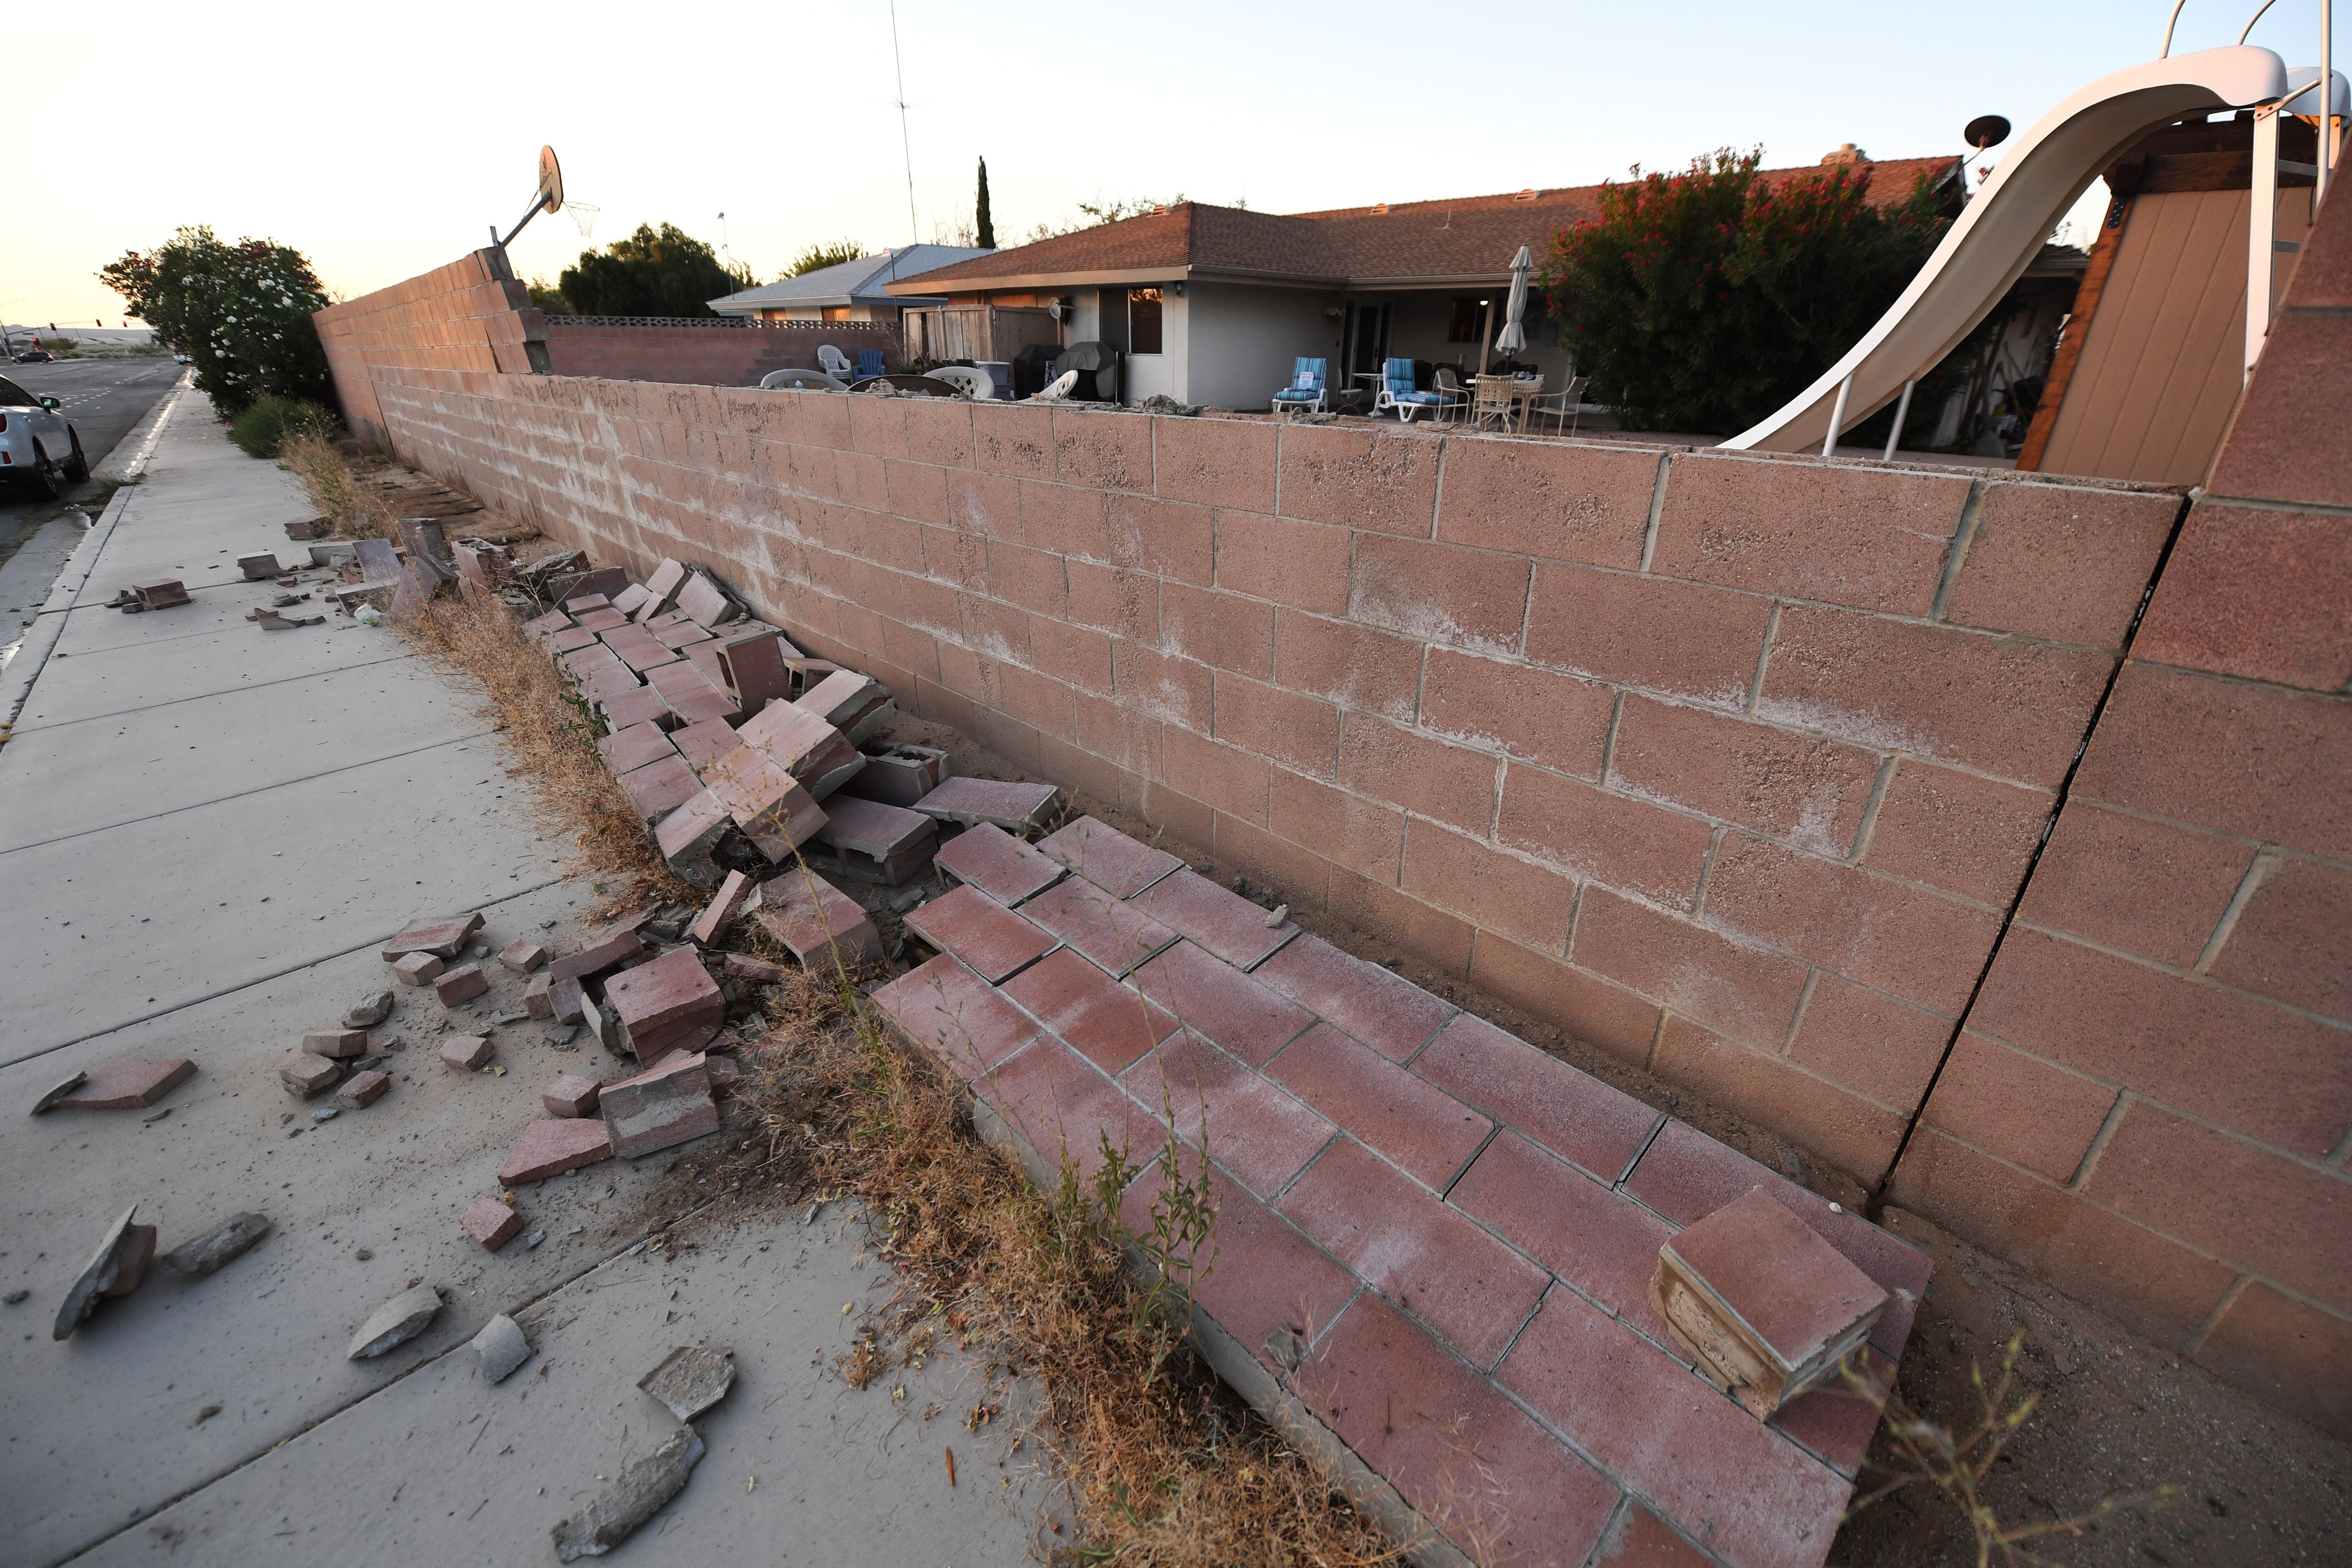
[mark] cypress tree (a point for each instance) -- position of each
(983, 224)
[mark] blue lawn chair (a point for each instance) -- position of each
(1397, 392)
(869, 362)
(1305, 392)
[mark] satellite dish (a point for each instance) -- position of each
(550, 175)
(1985, 131)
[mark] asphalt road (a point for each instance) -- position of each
(103, 398)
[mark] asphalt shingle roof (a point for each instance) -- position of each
(849, 282)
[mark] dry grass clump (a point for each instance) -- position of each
(334, 489)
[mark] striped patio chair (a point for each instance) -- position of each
(1305, 392)
(1397, 392)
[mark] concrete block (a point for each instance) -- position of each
(609, 954)
(817, 921)
(768, 804)
(462, 984)
(307, 1075)
(705, 601)
(129, 1084)
(899, 775)
(687, 835)
(523, 956)
(443, 938)
(467, 1052)
(663, 1107)
(259, 567)
(1014, 806)
(337, 1043)
(538, 998)
(574, 1094)
(491, 1223)
(363, 1089)
(552, 1147)
(669, 1004)
(416, 968)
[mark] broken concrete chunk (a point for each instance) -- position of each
(491, 1223)
(687, 835)
(820, 756)
(307, 1075)
(445, 938)
(130, 1085)
(661, 588)
(900, 774)
(308, 528)
(160, 595)
(552, 1147)
(660, 1109)
(461, 984)
(691, 1380)
(752, 667)
(467, 1053)
(58, 1093)
(743, 966)
(876, 842)
(718, 916)
(567, 1001)
(222, 1245)
(609, 954)
(115, 1249)
(363, 1089)
(538, 1001)
(704, 602)
(776, 812)
(628, 1503)
(271, 621)
(133, 1260)
(398, 1320)
(523, 956)
(669, 1004)
(340, 1044)
(258, 566)
(1016, 807)
(416, 968)
(574, 1094)
(503, 1348)
(368, 1011)
(817, 921)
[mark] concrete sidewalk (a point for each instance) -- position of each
(205, 830)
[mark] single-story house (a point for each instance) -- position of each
(848, 290)
(1212, 304)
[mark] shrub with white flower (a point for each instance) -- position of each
(241, 311)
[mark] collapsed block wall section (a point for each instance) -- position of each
(2152, 1102)
(706, 356)
(469, 315)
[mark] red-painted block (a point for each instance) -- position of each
(1361, 478)
(1500, 1487)
(1064, 1110)
(1429, 1259)
(2127, 882)
(1441, 593)
(1740, 1488)
(661, 786)
(1602, 1243)
(669, 1104)
(461, 984)
(1558, 500)
(1117, 936)
(1340, 662)
(363, 1089)
(552, 1147)
(1747, 994)
(2293, 939)
(1221, 1003)
(1640, 1539)
(821, 926)
(1245, 1123)
(1389, 1014)
(1572, 1113)
(574, 1094)
(1561, 721)
(1002, 866)
(2062, 563)
(1110, 1024)
(1871, 538)
(638, 705)
(129, 1084)
(1604, 837)
(626, 751)
(2288, 1353)
(491, 1223)
(1791, 785)
(991, 940)
(945, 1008)
(1108, 858)
(1426, 1131)
(1680, 638)
(670, 1003)
(1222, 923)
(718, 916)
(1955, 830)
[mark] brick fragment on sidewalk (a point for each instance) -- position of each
(523, 955)
(687, 835)
(462, 984)
(340, 1044)
(418, 968)
(1766, 1305)
(538, 997)
(162, 593)
(129, 1084)
(467, 1052)
(718, 916)
(816, 920)
(443, 938)
(669, 1004)
(574, 1094)
(660, 1108)
(133, 1260)
(307, 528)
(594, 959)
(363, 1089)
(491, 1223)
(307, 1075)
(259, 567)
(566, 1000)
(551, 1147)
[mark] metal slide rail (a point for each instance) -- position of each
(2003, 227)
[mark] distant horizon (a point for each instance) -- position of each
(1224, 102)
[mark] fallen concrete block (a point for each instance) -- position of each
(538, 998)
(595, 959)
(669, 1004)
(260, 566)
(557, 1144)
(341, 1044)
(899, 775)
(462, 984)
(816, 921)
(630, 599)
(308, 1075)
(133, 1260)
(502, 1347)
(308, 528)
(704, 743)
(751, 669)
(160, 595)
(443, 938)
(704, 601)
(776, 812)
(418, 968)
(128, 1085)
(271, 621)
(804, 746)
(574, 1094)
(1016, 807)
(363, 1089)
(878, 842)
(491, 1223)
(467, 1053)
(665, 1106)
(600, 582)
(687, 835)
(395, 1322)
(719, 916)
(567, 1000)
(483, 564)
(1765, 1305)
(626, 751)
(857, 705)
(219, 1247)
(661, 588)
(637, 705)
(743, 966)
(997, 863)
(629, 1501)
(334, 557)
(539, 628)
(369, 1011)
(691, 1380)
(523, 956)
(116, 1250)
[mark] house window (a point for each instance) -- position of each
(1143, 321)
(1468, 322)
(836, 312)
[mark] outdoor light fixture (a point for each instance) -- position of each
(1180, 290)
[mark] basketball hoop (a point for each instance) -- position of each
(549, 197)
(584, 215)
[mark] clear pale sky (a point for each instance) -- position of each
(383, 139)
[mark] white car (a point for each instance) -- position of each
(39, 449)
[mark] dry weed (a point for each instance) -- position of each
(334, 489)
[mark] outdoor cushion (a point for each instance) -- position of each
(1291, 395)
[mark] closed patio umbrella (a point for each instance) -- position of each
(1514, 336)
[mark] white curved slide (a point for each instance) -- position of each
(2002, 229)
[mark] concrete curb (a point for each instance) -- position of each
(41, 638)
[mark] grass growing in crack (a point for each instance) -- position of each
(313, 458)
(1926, 1453)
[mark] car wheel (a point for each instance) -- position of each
(77, 466)
(42, 480)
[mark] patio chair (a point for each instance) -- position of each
(1397, 392)
(1492, 399)
(1305, 392)
(977, 385)
(834, 362)
(1566, 406)
(869, 362)
(1454, 398)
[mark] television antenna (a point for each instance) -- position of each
(549, 197)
